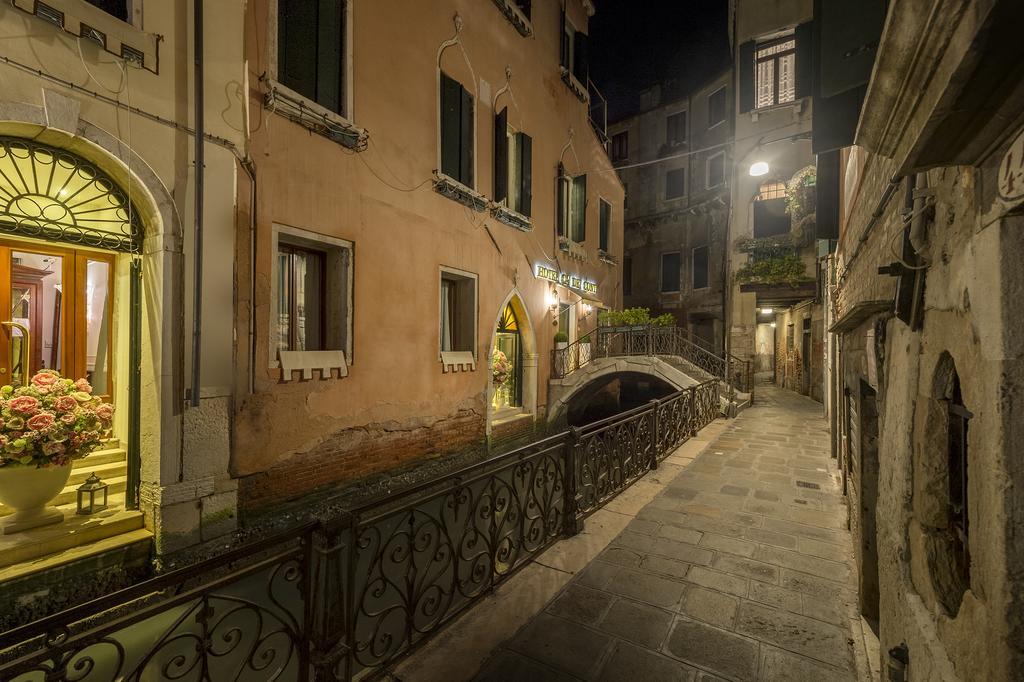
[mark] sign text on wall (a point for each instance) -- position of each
(565, 279)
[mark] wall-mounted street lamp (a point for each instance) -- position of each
(767, 311)
(759, 168)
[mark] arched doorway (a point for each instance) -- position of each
(507, 361)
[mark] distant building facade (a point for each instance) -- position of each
(674, 160)
(774, 310)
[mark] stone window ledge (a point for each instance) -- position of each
(504, 214)
(458, 192)
(606, 257)
(306, 361)
(573, 83)
(515, 17)
(455, 361)
(282, 100)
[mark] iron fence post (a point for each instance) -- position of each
(572, 524)
(330, 591)
(655, 434)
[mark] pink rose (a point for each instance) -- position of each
(41, 421)
(65, 403)
(24, 404)
(45, 379)
(83, 385)
(53, 448)
(68, 417)
(105, 411)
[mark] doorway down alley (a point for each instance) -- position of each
(738, 566)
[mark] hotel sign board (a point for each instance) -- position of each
(565, 279)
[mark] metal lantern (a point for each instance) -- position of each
(87, 494)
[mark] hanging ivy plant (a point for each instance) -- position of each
(766, 247)
(800, 193)
(788, 269)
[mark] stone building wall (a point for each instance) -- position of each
(898, 485)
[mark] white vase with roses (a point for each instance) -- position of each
(44, 427)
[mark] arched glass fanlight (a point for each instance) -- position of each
(508, 322)
(49, 193)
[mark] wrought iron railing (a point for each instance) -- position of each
(651, 340)
(347, 596)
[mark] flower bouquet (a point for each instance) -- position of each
(43, 427)
(500, 367)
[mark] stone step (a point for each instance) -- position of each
(104, 470)
(69, 496)
(74, 531)
(103, 456)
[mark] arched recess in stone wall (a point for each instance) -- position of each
(529, 340)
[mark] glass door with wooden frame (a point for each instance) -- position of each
(58, 304)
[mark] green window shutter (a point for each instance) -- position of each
(563, 42)
(580, 206)
(451, 105)
(330, 32)
(466, 139)
(804, 68)
(526, 178)
(296, 53)
(581, 67)
(746, 81)
(606, 217)
(501, 156)
(562, 199)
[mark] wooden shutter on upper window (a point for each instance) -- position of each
(563, 42)
(451, 106)
(746, 77)
(330, 42)
(501, 155)
(466, 139)
(580, 206)
(525, 148)
(562, 198)
(581, 68)
(804, 68)
(296, 53)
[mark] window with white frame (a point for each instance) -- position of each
(311, 50)
(312, 292)
(118, 8)
(574, 51)
(775, 71)
(715, 170)
(675, 129)
(458, 311)
(572, 206)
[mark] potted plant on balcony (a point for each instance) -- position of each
(44, 427)
(561, 340)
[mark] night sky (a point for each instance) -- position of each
(635, 43)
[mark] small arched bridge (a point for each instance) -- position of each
(619, 368)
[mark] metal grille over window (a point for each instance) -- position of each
(50, 194)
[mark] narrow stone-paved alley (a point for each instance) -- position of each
(739, 569)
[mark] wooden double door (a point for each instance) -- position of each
(59, 313)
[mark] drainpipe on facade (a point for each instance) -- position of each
(197, 305)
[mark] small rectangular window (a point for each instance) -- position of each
(700, 267)
(675, 126)
(513, 161)
(574, 51)
(606, 220)
(716, 107)
(775, 72)
(312, 291)
(620, 146)
(458, 311)
(311, 50)
(670, 272)
(716, 170)
(457, 131)
(675, 183)
(627, 276)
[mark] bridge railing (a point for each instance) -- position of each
(651, 340)
(346, 596)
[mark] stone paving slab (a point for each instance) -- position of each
(737, 566)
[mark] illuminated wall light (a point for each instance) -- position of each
(773, 325)
(767, 311)
(758, 168)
